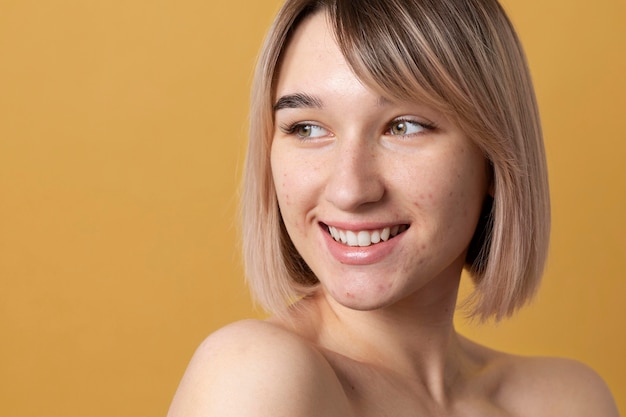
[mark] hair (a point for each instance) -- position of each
(463, 58)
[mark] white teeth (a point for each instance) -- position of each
(352, 239)
(365, 238)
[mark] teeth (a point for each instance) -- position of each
(352, 239)
(365, 237)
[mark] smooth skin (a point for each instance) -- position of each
(377, 339)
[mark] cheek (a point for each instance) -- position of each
(458, 191)
(297, 176)
(283, 188)
(293, 186)
(282, 176)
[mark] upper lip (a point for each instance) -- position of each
(358, 226)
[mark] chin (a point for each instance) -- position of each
(372, 297)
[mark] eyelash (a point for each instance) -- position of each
(291, 129)
(426, 126)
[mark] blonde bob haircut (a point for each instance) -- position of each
(461, 57)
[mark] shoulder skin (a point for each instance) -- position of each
(253, 368)
(557, 387)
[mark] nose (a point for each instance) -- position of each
(355, 179)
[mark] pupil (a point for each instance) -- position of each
(305, 131)
(399, 128)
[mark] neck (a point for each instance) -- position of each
(413, 338)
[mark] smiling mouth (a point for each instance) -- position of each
(363, 238)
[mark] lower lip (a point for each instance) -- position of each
(360, 255)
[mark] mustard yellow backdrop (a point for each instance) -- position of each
(122, 130)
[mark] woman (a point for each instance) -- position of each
(393, 143)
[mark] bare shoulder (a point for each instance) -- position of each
(554, 386)
(254, 368)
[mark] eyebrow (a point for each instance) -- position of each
(298, 101)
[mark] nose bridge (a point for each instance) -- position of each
(355, 179)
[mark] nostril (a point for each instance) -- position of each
(353, 183)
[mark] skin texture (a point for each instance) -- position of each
(354, 173)
(378, 338)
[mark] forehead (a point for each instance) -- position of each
(313, 62)
(312, 57)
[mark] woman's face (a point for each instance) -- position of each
(380, 197)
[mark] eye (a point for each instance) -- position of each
(405, 127)
(306, 131)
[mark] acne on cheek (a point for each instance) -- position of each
(424, 200)
(284, 185)
(384, 288)
(418, 254)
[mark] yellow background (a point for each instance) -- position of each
(122, 128)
